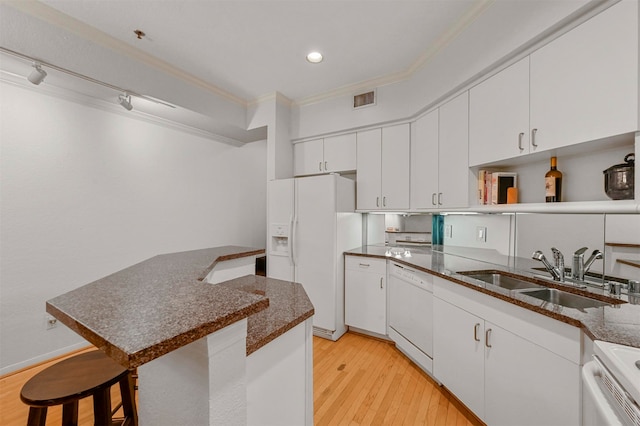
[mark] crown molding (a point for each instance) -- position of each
(277, 96)
(59, 19)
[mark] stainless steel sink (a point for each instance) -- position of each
(501, 280)
(563, 298)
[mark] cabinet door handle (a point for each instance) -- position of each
(365, 265)
(533, 137)
(487, 336)
(384, 201)
(377, 201)
(520, 136)
(381, 282)
(439, 198)
(325, 166)
(320, 166)
(475, 332)
(433, 199)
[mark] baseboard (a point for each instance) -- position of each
(370, 334)
(40, 359)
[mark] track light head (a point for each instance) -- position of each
(125, 100)
(37, 74)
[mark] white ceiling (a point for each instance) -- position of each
(253, 48)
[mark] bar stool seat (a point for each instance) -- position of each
(68, 381)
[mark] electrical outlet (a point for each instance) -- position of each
(448, 231)
(50, 322)
(481, 233)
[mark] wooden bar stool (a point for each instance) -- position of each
(68, 381)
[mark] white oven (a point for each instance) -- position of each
(611, 386)
(410, 301)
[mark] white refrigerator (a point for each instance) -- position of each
(311, 222)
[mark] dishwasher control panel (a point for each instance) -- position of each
(420, 279)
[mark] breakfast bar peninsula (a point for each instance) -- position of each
(213, 343)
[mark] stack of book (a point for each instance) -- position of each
(493, 186)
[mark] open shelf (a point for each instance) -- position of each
(622, 206)
(582, 166)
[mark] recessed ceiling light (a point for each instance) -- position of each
(314, 57)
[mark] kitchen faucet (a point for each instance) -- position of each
(558, 259)
(555, 271)
(580, 267)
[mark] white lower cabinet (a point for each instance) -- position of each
(458, 353)
(526, 384)
(508, 367)
(365, 294)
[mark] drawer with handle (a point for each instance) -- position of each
(369, 264)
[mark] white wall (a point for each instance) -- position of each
(566, 232)
(464, 231)
(85, 193)
(622, 229)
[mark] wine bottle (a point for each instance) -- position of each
(553, 183)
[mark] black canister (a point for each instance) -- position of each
(619, 179)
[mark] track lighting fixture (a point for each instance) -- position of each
(37, 75)
(125, 100)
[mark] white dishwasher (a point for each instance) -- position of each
(411, 314)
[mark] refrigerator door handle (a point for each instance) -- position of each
(292, 247)
(290, 239)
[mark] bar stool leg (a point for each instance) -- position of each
(102, 407)
(70, 414)
(127, 392)
(37, 416)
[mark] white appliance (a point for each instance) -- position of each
(312, 221)
(411, 314)
(611, 386)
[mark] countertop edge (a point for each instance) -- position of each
(278, 332)
(140, 357)
(553, 315)
(231, 256)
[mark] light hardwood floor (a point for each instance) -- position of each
(358, 380)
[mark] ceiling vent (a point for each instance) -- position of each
(364, 99)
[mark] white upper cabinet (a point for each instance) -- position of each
(328, 155)
(368, 169)
(308, 157)
(584, 85)
(439, 157)
(424, 161)
(340, 153)
(453, 153)
(383, 168)
(499, 115)
(396, 147)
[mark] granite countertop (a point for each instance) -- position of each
(289, 305)
(616, 323)
(156, 306)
